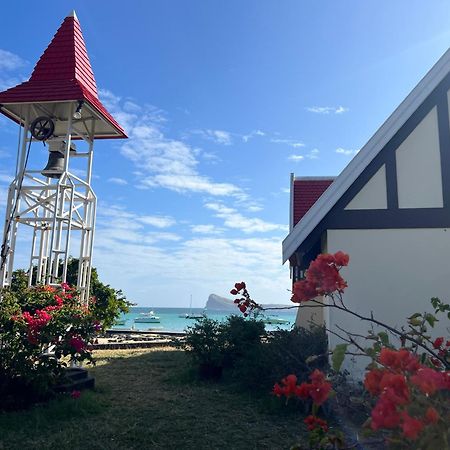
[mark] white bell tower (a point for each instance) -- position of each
(57, 106)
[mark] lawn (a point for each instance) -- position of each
(149, 399)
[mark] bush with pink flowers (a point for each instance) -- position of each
(42, 330)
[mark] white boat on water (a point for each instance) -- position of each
(149, 317)
(274, 320)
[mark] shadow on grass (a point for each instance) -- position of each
(150, 399)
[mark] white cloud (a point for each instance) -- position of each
(343, 151)
(217, 136)
(233, 219)
(9, 61)
(157, 221)
(3, 195)
(163, 162)
(119, 181)
(254, 208)
(291, 142)
(327, 109)
(252, 134)
(152, 275)
(313, 154)
(5, 178)
(206, 229)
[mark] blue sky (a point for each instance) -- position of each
(222, 100)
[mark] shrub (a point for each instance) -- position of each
(297, 351)
(242, 337)
(253, 358)
(42, 329)
(205, 343)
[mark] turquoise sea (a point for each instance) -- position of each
(170, 319)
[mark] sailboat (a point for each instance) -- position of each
(190, 315)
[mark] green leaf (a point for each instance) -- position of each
(338, 356)
(431, 319)
(384, 338)
(415, 316)
(415, 322)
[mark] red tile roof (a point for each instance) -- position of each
(305, 193)
(63, 73)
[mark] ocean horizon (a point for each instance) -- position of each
(170, 319)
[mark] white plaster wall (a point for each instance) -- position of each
(419, 179)
(373, 194)
(392, 273)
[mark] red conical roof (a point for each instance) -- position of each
(63, 73)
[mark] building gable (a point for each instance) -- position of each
(402, 184)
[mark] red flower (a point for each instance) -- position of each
(302, 391)
(372, 381)
(322, 277)
(77, 343)
(75, 394)
(399, 360)
(429, 380)
(431, 415)
(233, 291)
(394, 386)
(319, 393)
(438, 342)
(384, 415)
(317, 377)
(243, 308)
(411, 427)
(303, 291)
(319, 388)
(314, 422)
(278, 390)
(341, 258)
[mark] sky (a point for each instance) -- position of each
(221, 101)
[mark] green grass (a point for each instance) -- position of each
(147, 399)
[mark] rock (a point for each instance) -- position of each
(217, 303)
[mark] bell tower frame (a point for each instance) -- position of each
(58, 106)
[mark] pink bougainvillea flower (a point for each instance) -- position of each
(438, 342)
(431, 415)
(77, 343)
(384, 414)
(314, 422)
(429, 380)
(75, 394)
(411, 426)
(372, 381)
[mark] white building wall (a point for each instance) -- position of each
(373, 194)
(392, 273)
(419, 179)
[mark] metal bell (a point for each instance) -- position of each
(55, 165)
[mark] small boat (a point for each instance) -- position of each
(149, 317)
(191, 315)
(274, 320)
(119, 322)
